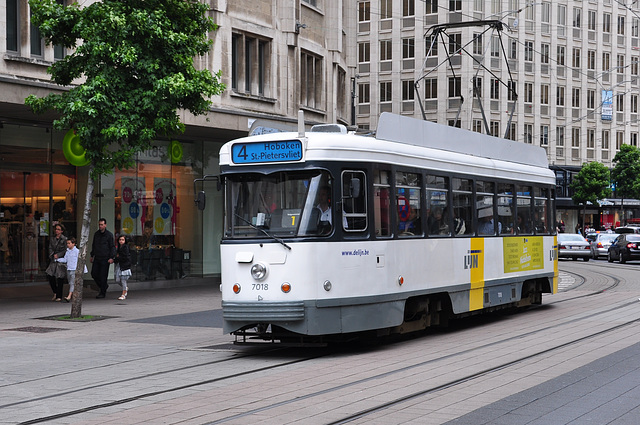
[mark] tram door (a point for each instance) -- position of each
(29, 203)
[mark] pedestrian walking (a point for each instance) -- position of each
(103, 251)
(71, 260)
(56, 272)
(123, 265)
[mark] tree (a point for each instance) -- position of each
(591, 185)
(135, 61)
(626, 174)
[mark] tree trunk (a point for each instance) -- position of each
(76, 305)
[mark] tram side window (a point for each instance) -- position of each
(462, 205)
(408, 203)
(437, 201)
(540, 210)
(523, 219)
(382, 217)
(487, 224)
(506, 207)
(354, 201)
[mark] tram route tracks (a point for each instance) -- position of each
(154, 393)
(615, 282)
(299, 360)
(571, 320)
(471, 377)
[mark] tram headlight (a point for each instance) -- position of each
(259, 271)
(327, 285)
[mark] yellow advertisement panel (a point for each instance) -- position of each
(523, 254)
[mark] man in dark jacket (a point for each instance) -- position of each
(103, 251)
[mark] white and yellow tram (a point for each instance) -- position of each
(328, 233)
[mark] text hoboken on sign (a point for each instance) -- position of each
(279, 151)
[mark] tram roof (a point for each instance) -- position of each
(411, 131)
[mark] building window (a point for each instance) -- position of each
(385, 91)
(575, 97)
(620, 103)
(544, 94)
(591, 138)
(634, 103)
(477, 126)
(591, 20)
(431, 88)
(591, 99)
(407, 90)
(408, 48)
(455, 5)
(606, 62)
(528, 51)
(634, 66)
(560, 55)
(311, 80)
(544, 135)
(37, 43)
(364, 93)
(560, 136)
(386, 7)
(385, 50)
(364, 52)
(576, 58)
(606, 23)
(495, 47)
(431, 7)
(12, 30)
(364, 11)
(408, 7)
(620, 66)
(544, 53)
(511, 91)
(577, 17)
(575, 137)
(634, 27)
(477, 44)
(478, 5)
(605, 140)
(619, 139)
(562, 19)
(620, 25)
(591, 60)
(513, 49)
(250, 57)
(494, 127)
(455, 89)
(528, 92)
(477, 86)
(495, 89)
(513, 131)
(313, 3)
(528, 133)
(634, 139)
(560, 96)
(432, 46)
(455, 44)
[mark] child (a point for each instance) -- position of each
(71, 258)
(123, 265)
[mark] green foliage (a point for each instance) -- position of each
(626, 174)
(134, 61)
(591, 184)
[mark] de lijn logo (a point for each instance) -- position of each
(472, 259)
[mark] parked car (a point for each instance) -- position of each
(627, 229)
(573, 245)
(600, 243)
(626, 247)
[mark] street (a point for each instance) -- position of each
(160, 357)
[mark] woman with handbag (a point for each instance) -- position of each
(57, 272)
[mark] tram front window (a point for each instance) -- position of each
(283, 204)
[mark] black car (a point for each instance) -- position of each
(626, 247)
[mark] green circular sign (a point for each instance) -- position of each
(73, 149)
(175, 151)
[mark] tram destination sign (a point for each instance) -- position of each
(276, 151)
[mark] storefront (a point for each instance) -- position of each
(152, 204)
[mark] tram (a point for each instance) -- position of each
(329, 234)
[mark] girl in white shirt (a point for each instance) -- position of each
(71, 258)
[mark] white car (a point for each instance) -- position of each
(573, 245)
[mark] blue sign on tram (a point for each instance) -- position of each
(277, 151)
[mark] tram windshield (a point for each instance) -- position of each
(283, 204)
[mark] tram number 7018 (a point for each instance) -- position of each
(260, 287)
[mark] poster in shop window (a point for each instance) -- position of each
(134, 205)
(164, 209)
